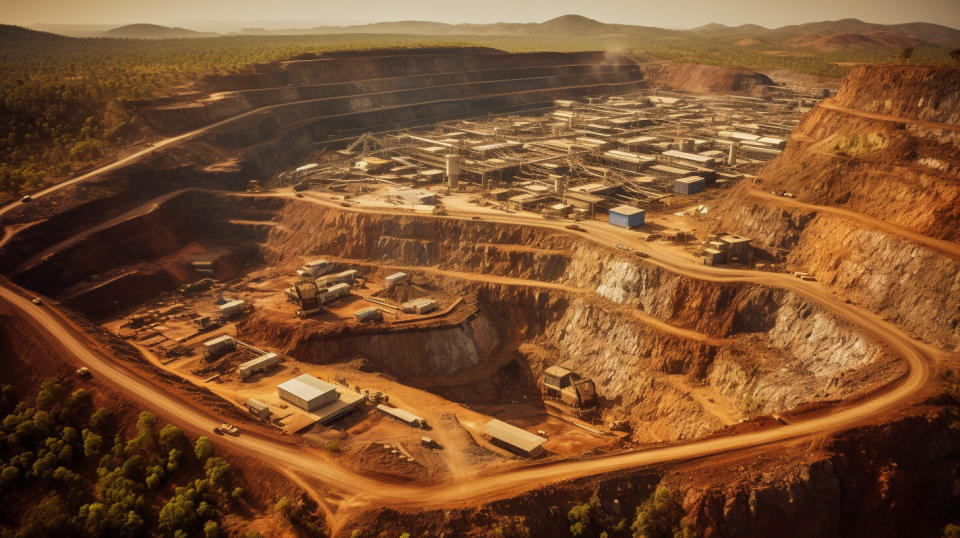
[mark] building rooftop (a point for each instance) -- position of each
(219, 340)
(513, 435)
(307, 387)
(627, 210)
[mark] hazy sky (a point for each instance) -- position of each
(304, 13)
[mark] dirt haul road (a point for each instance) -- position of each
(945, 247)
(159, 144)
(360, 493)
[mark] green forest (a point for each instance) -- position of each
(68, 103)
(67, 469)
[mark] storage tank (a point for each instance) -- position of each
(733, 155)
(453, 170)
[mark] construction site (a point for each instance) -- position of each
(550, 268)
(618, 158)
(395, 355)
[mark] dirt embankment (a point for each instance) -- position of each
(705, 78)
(893, 172)
(330, 77)
(867, 483)
(924, 93)
(151, 252)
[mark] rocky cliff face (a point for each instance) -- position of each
(897, 173)
(742, 344)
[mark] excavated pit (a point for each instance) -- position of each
(677, 357)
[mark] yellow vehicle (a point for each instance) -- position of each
(575, 394)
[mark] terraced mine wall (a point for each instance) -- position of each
(895, 172)
(755, 349)
(356, 93)
(677, 356)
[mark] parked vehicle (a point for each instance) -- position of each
(226, 429)
(575, 227)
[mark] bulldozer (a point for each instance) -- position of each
(567, 390)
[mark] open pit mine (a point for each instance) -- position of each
(445, 290)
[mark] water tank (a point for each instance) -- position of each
(732, 156)
(453, 170)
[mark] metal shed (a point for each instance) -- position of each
(368, 314)
(307, 392)
(514, 439)
(219, 345)
(258, 364)
(688, 185)
(627, 216)
(258, 408)
(396, 278)
(404, 416)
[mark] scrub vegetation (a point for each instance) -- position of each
(70, 103)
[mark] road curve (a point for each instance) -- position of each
(159, 144)
(946, 247)
(830, 104)
(361, 492)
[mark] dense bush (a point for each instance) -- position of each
(40, 445)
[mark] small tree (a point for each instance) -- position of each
(906, 53)
(211, 529)
(170, 435)
(203, 449)
(955, 55)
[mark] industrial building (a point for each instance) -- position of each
(347, 277)
(324, 401)
(307, 392)
(419, 306)
(627, 217)
(258, 364)
(514, 439)
(402, 415)
(395, 279)
(368, 314)
(218, 346)
(258, 408)
(412, 197)
(314, 269)
(232, 308)
(688, 185)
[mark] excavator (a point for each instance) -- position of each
(566, 390)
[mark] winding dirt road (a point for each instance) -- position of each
(360, 493)
(357, 492)
(830, 104)
(945, 247)
(164, 142)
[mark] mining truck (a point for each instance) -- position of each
(570, 392)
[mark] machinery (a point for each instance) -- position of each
(308, 297)
(573, 393)
(254, 186)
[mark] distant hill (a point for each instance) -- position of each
(153, 31)
(822, 35)
(838, 35)
(14, 37)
